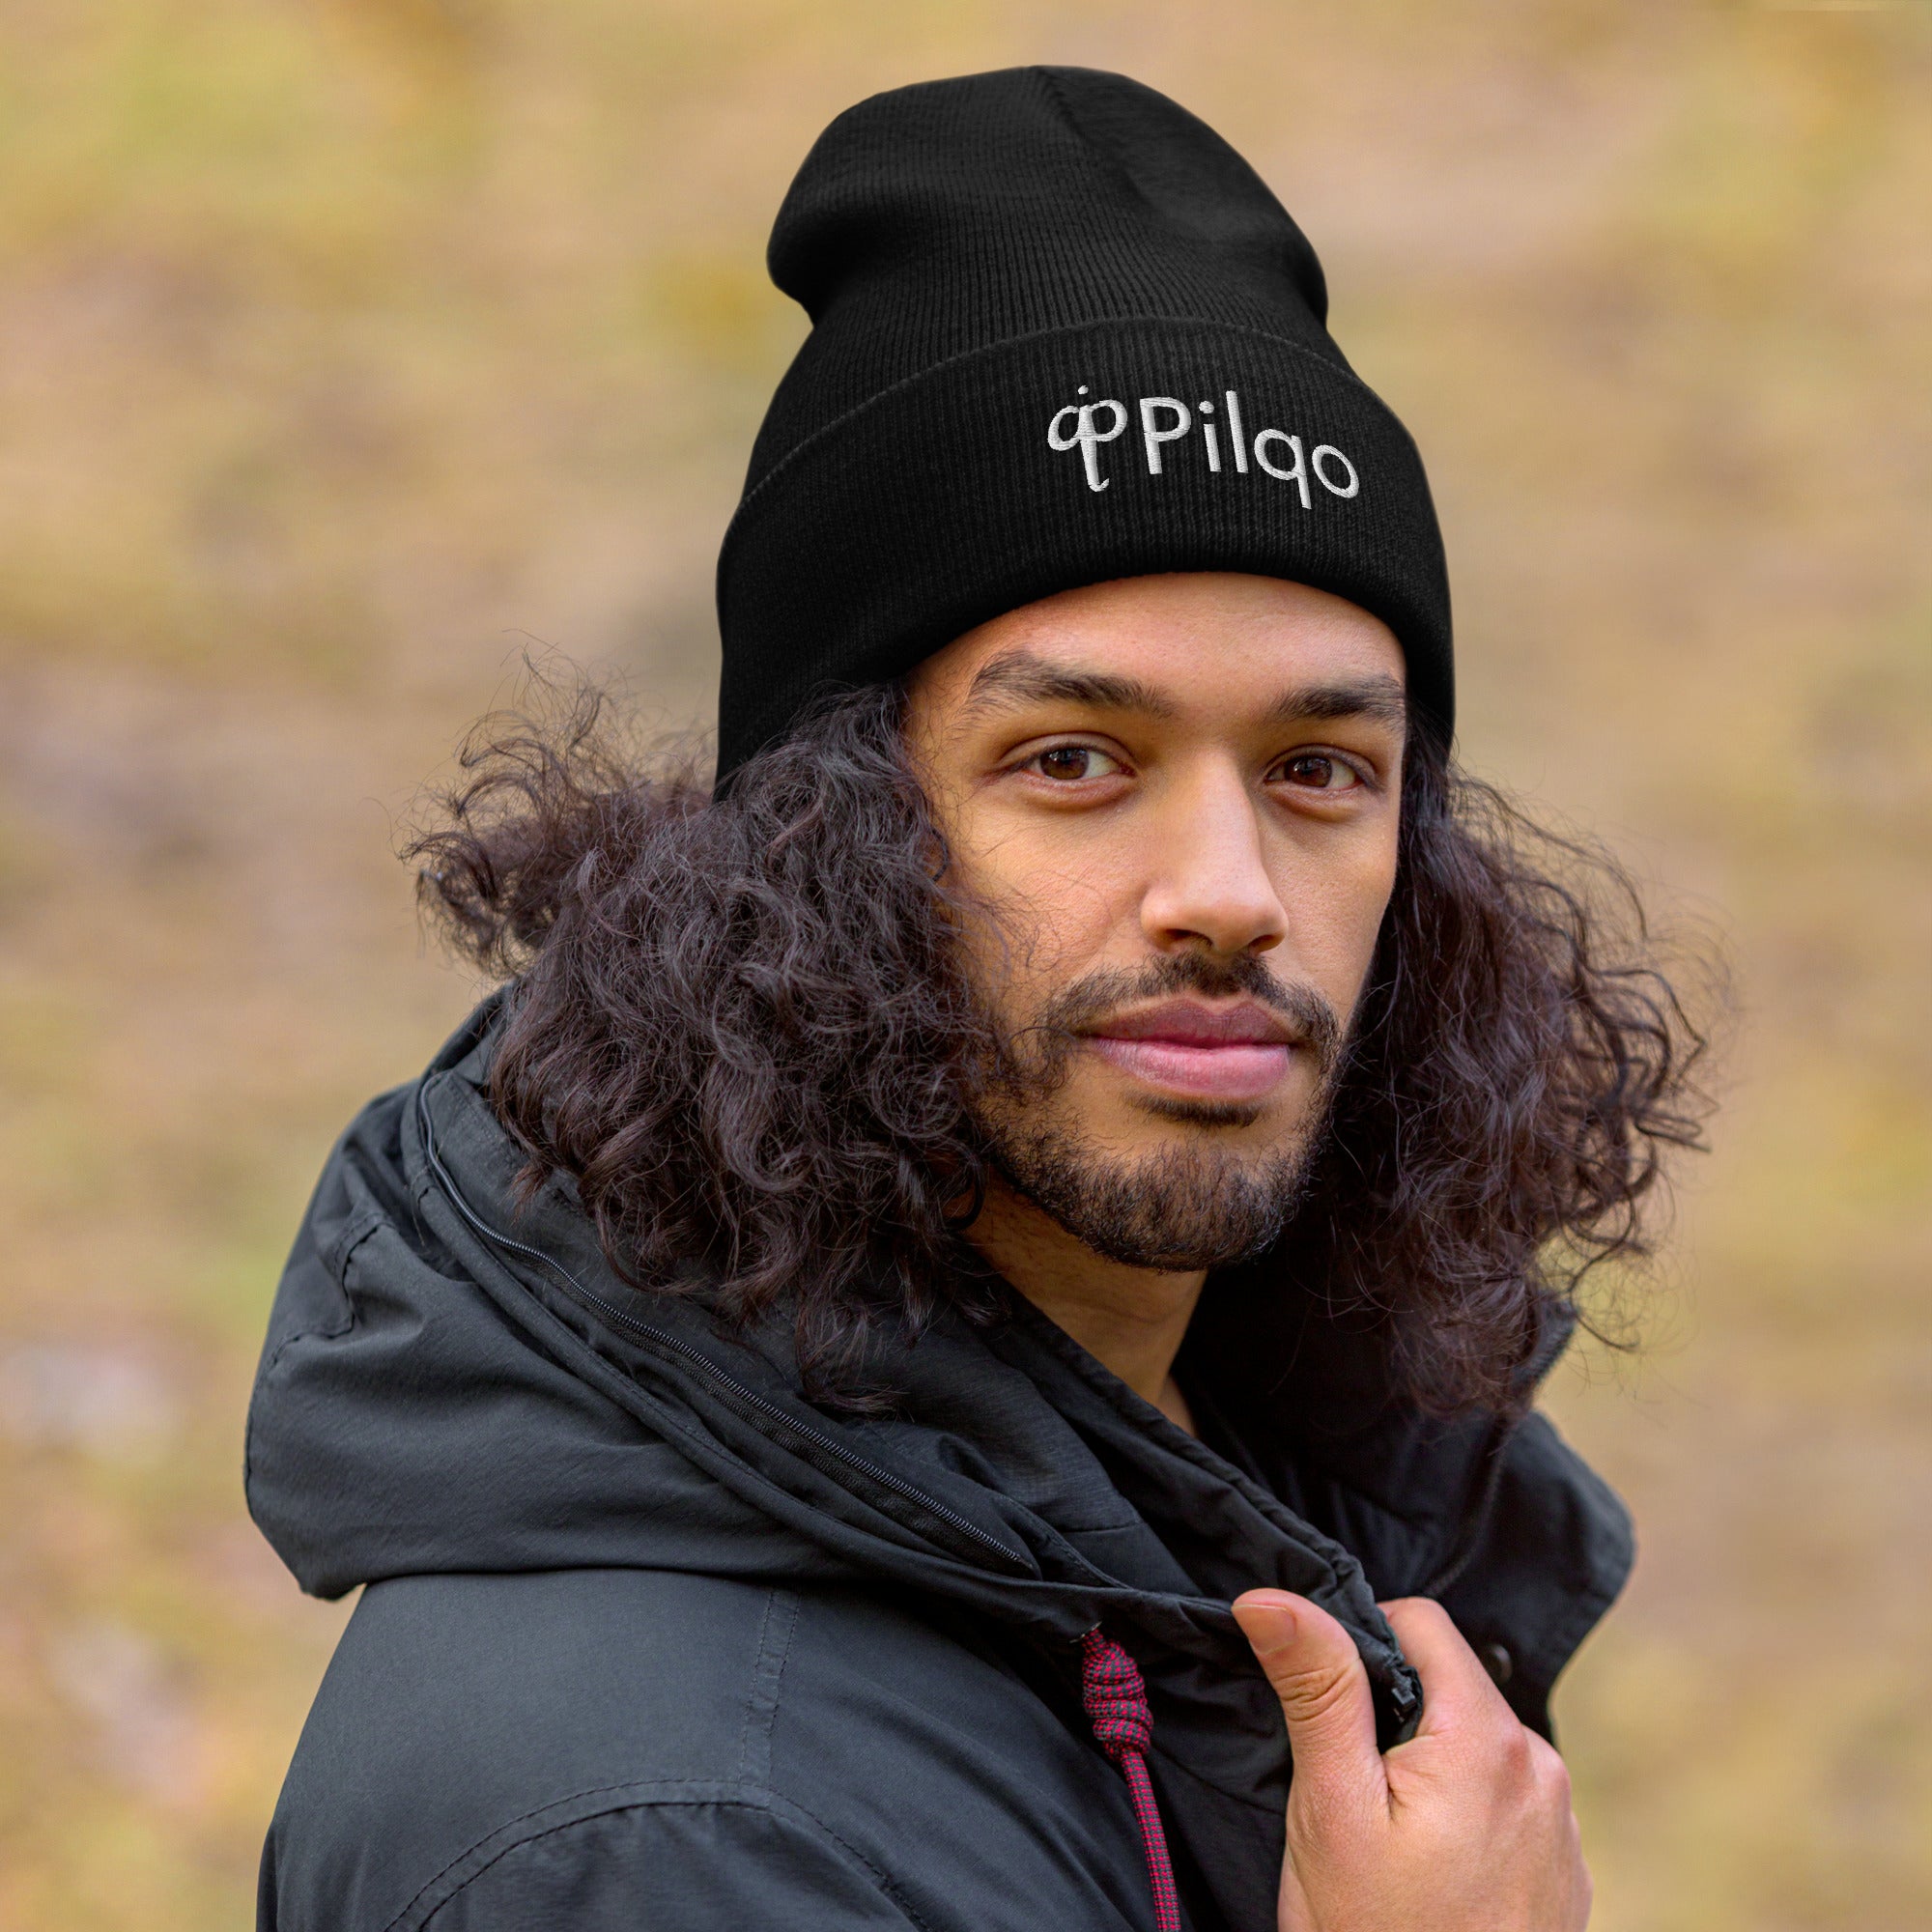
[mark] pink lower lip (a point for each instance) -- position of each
(1232, 1070)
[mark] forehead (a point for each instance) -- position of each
(1190, 640)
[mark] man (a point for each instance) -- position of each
(880, 1380)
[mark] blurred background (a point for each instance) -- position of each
(350, 348)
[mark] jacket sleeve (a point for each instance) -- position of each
(668, 1866)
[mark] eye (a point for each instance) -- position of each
(1069, 764)
(1319, 771)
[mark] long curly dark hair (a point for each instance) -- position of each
(739, 1025)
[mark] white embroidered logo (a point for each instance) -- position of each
(1085, 435)
(1167, 419)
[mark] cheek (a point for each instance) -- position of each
(1372, 914)
(1046, 926)
(1335, 919)
(1050, 916)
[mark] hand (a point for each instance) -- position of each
(1466, 1827)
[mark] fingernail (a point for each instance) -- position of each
(1276, 1613)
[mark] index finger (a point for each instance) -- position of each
(1456, 1688)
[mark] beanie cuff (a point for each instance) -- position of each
(1065, 458)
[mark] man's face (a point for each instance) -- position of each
(1179, 797)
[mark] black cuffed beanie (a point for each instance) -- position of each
(1062, 333)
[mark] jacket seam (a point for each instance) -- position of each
(335, 1260)
(779, 1806)
(510, 1824)
(645, 1797)
(767, 1681)
(357, 1230)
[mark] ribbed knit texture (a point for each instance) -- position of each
(1115, 1697)
(982, 259)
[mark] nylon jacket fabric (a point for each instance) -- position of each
(646, 1639)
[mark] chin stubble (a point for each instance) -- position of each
(1182, 1208)
(1191, 1205)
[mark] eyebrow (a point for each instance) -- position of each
(1017, 677)
(1381, 697)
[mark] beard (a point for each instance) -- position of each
(1200, 1204)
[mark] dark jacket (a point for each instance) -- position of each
(649, 1640)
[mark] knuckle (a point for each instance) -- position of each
(1415, 1611)
(1514, 1760)
(1516, 1775)
(1547, 1768)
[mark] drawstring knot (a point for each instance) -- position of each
(1116, 1697)
(1114, 1694)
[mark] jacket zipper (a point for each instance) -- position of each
(662, 1338)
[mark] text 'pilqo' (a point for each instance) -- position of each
(1167, 420)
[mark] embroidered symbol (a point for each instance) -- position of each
(1167, 420)
(1085, 435)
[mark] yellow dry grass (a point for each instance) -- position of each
(350, 345)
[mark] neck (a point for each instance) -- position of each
(1129, 1320)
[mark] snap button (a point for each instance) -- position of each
(1498, 1662)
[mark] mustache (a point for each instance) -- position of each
(1076, 1008)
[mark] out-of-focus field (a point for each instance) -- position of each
(345, 349)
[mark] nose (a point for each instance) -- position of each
(1210, 884)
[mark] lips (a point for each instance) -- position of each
(1232, 1054)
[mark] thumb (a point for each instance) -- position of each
(1312, 1662)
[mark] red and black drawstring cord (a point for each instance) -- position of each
(1115, 1695)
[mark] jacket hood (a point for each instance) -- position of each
(450, 1385)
